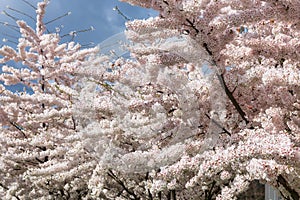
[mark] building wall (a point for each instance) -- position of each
(271, 193)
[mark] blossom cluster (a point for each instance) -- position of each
(39, 150)
(206, 105)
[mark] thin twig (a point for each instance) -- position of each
(13, 27)
(19, 128)
(31, 5)
(113, 176)
(57, 18)
(10, 16)
(116, 8)
(10, 36)
(20, 12)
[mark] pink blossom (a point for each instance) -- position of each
(207, 104)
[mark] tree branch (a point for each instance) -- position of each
(218, 125)
(172, 195)
(114, 177)
(209, 194)
(19, 128)
(227, 91)
(232, 99)
(1, 185)
(192, 25)
(284, 183)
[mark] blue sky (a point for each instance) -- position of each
(84, 14)
(97, 13)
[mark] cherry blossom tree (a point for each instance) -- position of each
(207, 104)
(40, 152)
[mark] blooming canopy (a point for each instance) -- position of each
(207, 104)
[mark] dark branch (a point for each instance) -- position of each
(149, 192)
(284, 183)
(114, 177)
(218, 125)
(231, 97)
(172, 195)
(207, 49)
(31, 5)
(192, 25)
(209, 194)
(116, 8)
(22, 13)
(74, 123)
(1, 185)
(159, 195)
(19, 128)
(227, 91)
